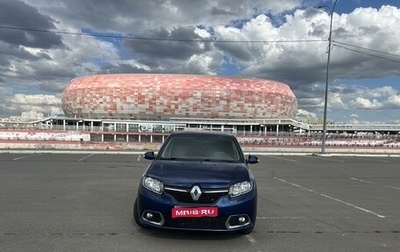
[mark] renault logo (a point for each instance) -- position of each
(195, 193)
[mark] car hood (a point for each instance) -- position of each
(204, 173)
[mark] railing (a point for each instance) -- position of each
(358, 127)
(295, 126)
(252, 134)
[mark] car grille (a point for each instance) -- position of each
(196, 223)
(207, 197)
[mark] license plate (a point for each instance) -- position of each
(194, 212)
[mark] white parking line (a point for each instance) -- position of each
(88, 156)
(251, 239)
(332, 198)
(35, 155)
(285, 159)
(392, 187)
(361, 180)
(369, 159)
(326, 159)
(138, 158)
(369, 182)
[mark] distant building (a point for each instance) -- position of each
(31, 116)
(25, 117)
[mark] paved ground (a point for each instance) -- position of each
(83, 202)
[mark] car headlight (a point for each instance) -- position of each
(240, 188)
(153, 185)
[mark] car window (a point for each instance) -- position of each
(201, 148)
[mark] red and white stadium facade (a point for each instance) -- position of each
(163, 96)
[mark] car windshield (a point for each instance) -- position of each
(221, 149)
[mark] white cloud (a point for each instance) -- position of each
(363, 97)
(46, 104)
(200, 64)
(394, 100)
(36, 99)
(336, 101)
(362, 103)
(380, 92)
(301, 113)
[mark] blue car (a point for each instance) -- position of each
(198, 181)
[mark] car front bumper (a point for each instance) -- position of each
(234, 215)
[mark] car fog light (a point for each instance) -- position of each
(236, 221)
(153, 217)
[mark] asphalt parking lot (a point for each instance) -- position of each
(83, 202)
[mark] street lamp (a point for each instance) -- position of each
(327, 78)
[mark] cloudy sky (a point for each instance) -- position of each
(44, 44)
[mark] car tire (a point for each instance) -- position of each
(136, 215)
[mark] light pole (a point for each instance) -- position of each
(327, 78)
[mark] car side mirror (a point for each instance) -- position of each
(149, 155)
(251, 159)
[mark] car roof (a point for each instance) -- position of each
(201, 133)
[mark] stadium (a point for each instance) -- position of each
(146, 108)
(160, 97)
(162, 103)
